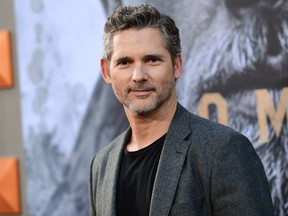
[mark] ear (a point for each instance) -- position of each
(178, 67)
(105, 70)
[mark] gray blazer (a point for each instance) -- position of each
(205, 169)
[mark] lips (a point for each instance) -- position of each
(141, 92)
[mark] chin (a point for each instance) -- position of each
(142, 108)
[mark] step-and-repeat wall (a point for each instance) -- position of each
(236, 73)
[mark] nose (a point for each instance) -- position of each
(139, 73)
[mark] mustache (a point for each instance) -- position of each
(140, 86)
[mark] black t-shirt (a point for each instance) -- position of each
(136, 179)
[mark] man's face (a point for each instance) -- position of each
(141, 71)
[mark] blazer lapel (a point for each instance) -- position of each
(170, 164)
(112, 170)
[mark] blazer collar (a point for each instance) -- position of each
(170, 164)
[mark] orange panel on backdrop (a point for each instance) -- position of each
(9, 186)
(6, 79)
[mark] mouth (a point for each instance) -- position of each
(141, 93)
(269, 74)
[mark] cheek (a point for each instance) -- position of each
(118, 85)
(117, 91)
(120, 76)
(115, 84)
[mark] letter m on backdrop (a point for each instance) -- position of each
(6, 79)
(276, 115)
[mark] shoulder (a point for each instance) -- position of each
(202, 127)
(215, 138)
(225, 160)
(218, 147)
(209, 139)
(208, 130)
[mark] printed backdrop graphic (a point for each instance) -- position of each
(59, 46)
(235, 72)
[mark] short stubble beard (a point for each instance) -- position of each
(155, 103)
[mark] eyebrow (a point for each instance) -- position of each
(123, 59)
(146, 57)
(156, 56)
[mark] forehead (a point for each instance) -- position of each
(137, 40)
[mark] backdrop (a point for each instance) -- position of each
(235, 62)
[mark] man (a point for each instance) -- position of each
(169, 161)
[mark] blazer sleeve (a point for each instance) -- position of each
(238, 184)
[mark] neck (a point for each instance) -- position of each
(148, 128)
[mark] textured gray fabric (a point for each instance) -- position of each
(205, 169)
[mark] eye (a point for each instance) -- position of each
(123, 63)
(154, 60)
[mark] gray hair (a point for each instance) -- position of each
(143, 16)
